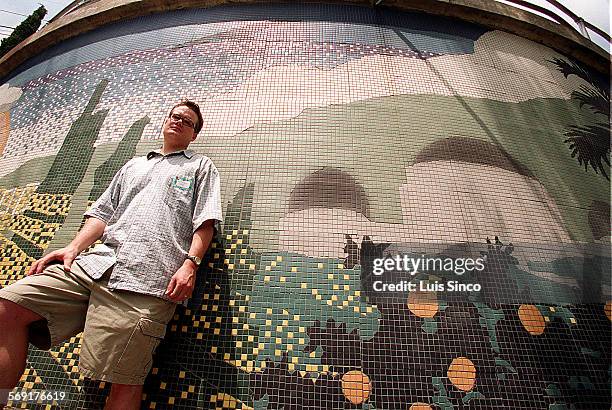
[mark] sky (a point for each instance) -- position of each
(596, 12)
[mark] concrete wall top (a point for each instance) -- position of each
(484, 12)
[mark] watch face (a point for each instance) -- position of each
(194, 259)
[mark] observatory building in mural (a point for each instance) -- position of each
(344, 132)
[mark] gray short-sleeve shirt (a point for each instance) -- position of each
(152, 207)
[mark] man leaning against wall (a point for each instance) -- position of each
(156, 220)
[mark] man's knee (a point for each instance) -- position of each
(130, 395)
(15, 314)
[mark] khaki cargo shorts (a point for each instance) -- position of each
(121, 329)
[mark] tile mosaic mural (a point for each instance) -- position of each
(342, 135)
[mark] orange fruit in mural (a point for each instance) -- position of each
(462, 373)
(608, 310)
(356, 386)
(532, 319)
(423, 304)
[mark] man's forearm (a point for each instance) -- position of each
(183, 281)
(201, 239)
(91, 232)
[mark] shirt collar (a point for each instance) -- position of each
(186, 152)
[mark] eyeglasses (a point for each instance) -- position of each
(183, 120)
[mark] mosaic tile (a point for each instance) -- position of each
(342, 135)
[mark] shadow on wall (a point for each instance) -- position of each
(464, 187)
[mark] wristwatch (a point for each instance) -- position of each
(194, 259)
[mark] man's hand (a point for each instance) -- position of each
(182, 282)
(91, 231)
(65, 255)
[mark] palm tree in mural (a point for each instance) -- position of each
(590, 143)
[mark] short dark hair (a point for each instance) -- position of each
(196, 109)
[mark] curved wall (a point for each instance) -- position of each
(342, 134)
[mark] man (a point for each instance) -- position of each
(156, 220)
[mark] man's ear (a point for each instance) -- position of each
(194, 136)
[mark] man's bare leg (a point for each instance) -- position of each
(13, 343)
(124, 397)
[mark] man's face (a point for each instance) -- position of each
(179, 126)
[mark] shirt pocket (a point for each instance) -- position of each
(179, 194)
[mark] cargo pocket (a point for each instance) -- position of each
(137, 356)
